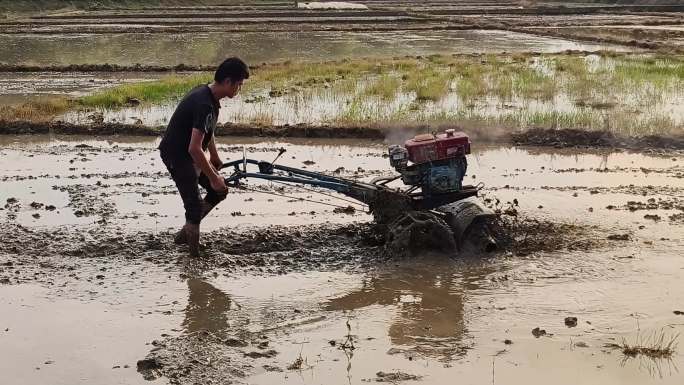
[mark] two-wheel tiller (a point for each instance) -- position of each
(430, 211)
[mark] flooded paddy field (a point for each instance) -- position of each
(258, 47)
(287, 286)
(297, 287)
(394, 16)
(631, 95)
(541, 96)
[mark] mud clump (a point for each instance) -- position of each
(619, 237)
(86, 200)
(236, 342)
(677, 218)
(654, 204)
(150, 368)
(395, 377)
(266, 354)
(345, 210)
(198, 358)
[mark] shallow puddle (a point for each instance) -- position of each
(81, 329)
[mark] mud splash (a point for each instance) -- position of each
(277, 249)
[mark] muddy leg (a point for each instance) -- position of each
(186, 178)
(211, 200)
(181, 237)
(192, 235)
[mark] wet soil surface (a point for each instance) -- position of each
(289, 291)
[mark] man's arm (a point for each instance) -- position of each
(214, 158)
(200, 159)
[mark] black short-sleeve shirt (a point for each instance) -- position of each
(197, 110)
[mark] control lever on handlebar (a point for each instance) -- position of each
(281, 151)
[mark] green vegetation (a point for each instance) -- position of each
(150, 92)
(41, 109)
(627, 93)
(429, 84)
(385, 86)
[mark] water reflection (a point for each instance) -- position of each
(429, 298)
(207, 308)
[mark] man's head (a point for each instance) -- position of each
(229, 77)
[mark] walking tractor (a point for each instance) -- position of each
(430, 211)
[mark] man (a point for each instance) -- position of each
(189, 151)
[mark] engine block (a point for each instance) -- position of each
(435, 163)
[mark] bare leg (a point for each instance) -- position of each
(181, 238)
(192, 235)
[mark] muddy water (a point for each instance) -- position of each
(210, 48)
(431, 317)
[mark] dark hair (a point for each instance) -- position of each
(233, 68)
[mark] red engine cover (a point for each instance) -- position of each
(428, 147)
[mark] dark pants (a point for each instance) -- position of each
(188, 181)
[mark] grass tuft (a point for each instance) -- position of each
(146, 92)
(656, 345)
(386, 87)
(41, 109)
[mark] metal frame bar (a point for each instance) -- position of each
(361, 191)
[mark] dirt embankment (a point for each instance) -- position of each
(583, 138)
(623, 37)
(4, 67)
(105, 67)
(637, 2)
(365, 25)
(535, 137)
(289, 131)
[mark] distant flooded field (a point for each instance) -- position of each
(258, 47)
